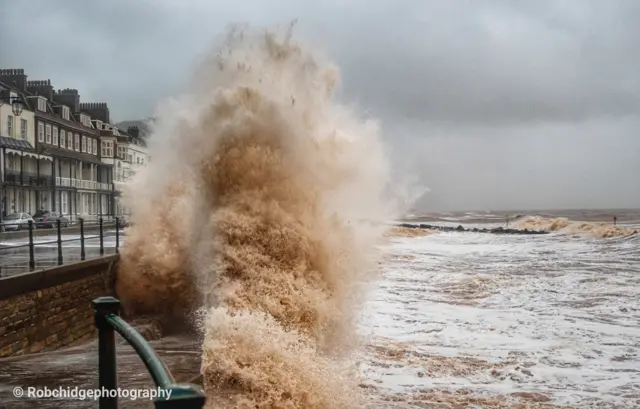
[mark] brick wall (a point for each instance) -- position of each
(51, 309)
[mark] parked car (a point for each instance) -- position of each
(16, 221)
(45, 218)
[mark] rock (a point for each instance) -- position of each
(460, 228)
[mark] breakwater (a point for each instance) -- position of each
(495, 230)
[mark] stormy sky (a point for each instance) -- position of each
(496, 104)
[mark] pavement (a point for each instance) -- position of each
(14, 253)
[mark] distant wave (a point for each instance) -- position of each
(566, 226)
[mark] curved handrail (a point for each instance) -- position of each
(158, 371)
(108, 322)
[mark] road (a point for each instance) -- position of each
(14, 254)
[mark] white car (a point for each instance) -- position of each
(17, 221)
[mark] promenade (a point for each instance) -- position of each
(46, 249)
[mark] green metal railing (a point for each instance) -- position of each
(108, 322)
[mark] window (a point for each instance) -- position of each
(55, 135)
(69, 140)
(84, 143)
(95, 146)
(63, 197)
(85, 206)
(77, 147)
(65, 114)
(42, 104)
(63, 139)
(23, 129)
(48, 134)
(40, 132)
(10, 126)
(107, 149)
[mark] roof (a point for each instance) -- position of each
(28, 97)
(18, 144)
(22, 94)
(50, 150)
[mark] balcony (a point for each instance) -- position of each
(66, 182)
(83, 184)
(12, 177)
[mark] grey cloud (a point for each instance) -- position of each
(594, 164)
(459, 61)
(490, 64)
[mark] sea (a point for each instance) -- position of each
(473, 320)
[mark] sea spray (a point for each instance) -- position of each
(262, 206)
(563, 225)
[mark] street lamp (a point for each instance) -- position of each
(17, 103)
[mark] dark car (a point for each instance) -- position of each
(45, 218)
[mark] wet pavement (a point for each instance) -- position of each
(78, 367)
(14, 254)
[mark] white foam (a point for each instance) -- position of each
(567, 309)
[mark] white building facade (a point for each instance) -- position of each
(127, 153)
(25, 173)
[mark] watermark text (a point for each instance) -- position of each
(76, 393)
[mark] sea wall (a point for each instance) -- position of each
(50, 309)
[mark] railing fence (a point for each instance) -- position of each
(114, 231)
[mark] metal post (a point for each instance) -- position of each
(101, 239)
(117, 235)
(59, 242)
(107, 375)
(32, 260)
(82, 255)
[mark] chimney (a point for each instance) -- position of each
(68, 97)
(15, 78)
(97, 110)
(134, 132)
(42, 88)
